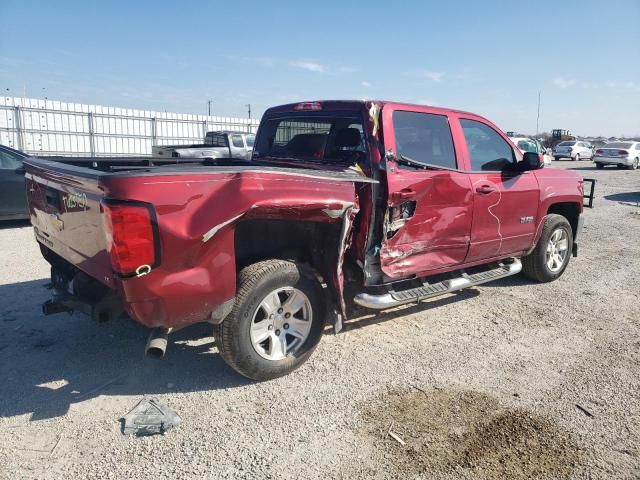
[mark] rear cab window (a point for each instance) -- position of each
(216, 139)
(488, 150)
(424, 138)
(326, 137)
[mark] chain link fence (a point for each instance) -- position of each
(50, 127)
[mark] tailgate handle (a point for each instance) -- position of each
(53, 199)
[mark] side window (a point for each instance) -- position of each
(424, 138)
(237, 142)
(9, 161)
(487, 149)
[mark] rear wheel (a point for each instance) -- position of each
(599, 165)
(577, 157)
(552, 253)
(556, 158)
(276, 323)
(634, 165)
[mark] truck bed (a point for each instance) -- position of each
(194, 208)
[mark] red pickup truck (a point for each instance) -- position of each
(395, 203)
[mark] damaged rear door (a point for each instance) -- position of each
(430, 202)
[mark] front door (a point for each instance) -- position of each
(429, 205)
(13, 196)
(505, 201)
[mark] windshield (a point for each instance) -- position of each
(322, 138)
(566, 144)
(250, 139)
(618, 145)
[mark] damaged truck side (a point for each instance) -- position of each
(391, 202)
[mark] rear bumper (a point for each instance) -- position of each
(614, 160)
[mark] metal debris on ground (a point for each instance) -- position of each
(149, 417)
(393, 435)
(584, 410)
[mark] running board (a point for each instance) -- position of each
(393, 299)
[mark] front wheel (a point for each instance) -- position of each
(599, 165)
(276, 322)
(552, 253)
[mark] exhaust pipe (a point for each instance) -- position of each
(157, 342)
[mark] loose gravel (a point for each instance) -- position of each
(496, 365)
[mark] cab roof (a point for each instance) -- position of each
(357, 105)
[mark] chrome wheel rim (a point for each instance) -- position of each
(557, 250)
(281, 324)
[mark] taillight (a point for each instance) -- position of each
(599, 151)
(623, 152)
(131, 237)
(308, 106)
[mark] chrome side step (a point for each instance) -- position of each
(393, 298)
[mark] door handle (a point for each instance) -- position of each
(404, 194)
(485, 189)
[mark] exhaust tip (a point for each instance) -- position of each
(157, 343)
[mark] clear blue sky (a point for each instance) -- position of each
(162, 55)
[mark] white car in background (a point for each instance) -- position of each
(525, 144)
(574, 149)
(620, 154)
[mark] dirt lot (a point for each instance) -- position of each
(509, 380)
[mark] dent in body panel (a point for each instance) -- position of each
(197, 220)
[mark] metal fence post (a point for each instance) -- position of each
(92, 146)
(17, 113)
(205, 124)
(154, 131)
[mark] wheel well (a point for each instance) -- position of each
(568, 210)
(313, 243)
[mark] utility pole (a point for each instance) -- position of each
(209, 102)
(249, 107)
(538, 117)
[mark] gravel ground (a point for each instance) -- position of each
(501, 368)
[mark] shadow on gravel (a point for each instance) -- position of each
(9, 224)
(626, 197)
(361, 317)
(49, 363)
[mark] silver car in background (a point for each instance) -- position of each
(573, 149)
(620, 154)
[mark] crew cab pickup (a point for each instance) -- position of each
(394, 203)
(222, 144)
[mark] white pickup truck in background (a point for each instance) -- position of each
(219, 144)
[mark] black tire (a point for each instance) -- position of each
(556, 158)
(576, 158)
(634, 165)
(599, 165)
(534, 265)
(255, 282)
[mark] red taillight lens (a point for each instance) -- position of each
(131, 239)
(599, 151)
(308, 106)
(622, 152)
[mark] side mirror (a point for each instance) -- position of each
(531, 161)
